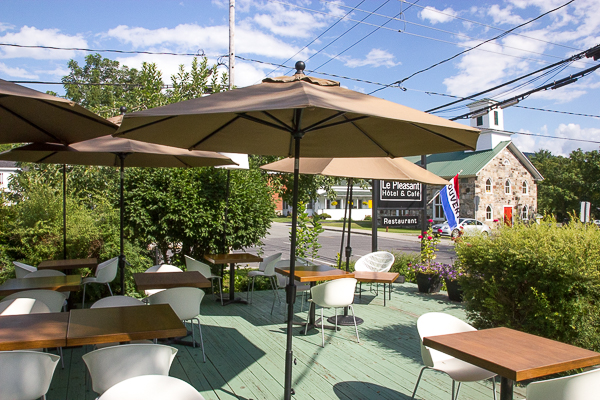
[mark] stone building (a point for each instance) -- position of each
(497, 181)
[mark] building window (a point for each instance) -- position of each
(525, 213)
(1, 179)
(525, 187)
(480, 120)
(438, 210)
(507, 186)
(489, 213)
(488, 185)
(496, 118)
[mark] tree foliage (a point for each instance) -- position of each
(568, 181)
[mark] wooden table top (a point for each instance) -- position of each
(33, 331)
(232, 258)
(379, 277)
(313, 273)
(123, 324)
(69, 264)
(168, 280)
(513, 354)
(68, 283)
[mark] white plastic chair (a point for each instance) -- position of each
(583, 386)
(22, 306)
(379, 261)
(160, 268)
(54, 300)
(334, 294)
(110, 365)
(22, 269)
(42, 273)
(117, 301)
(106, 272)
(283, 280)
(267, 269)
(192, 264)
(26, 374)
(185, 301)
(433, 324)
(152, 387)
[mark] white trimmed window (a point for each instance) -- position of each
(507, 186)
(489, 213)
(525, 187)
(488, 185)
(525, 213)
(438, 209)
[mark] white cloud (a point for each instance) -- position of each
(375, 58)
(555, 145)
(289, 21)
(31, 36)
(435, 16)
(58, 71)
(16, 72)
(504, 15)
(213, 40)
(5, 27)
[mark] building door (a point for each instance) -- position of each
(508, 216)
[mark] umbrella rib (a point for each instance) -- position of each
(440, 135)
(369, 137)
(32, 124)
(316, 125)
(263, 122)
(276, 119)
(183, 162)
(100, 119)
(351, 120)
(219, 129)
(43, 159)
(143, 126)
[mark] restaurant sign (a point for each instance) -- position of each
(405, 221)
(400, 195)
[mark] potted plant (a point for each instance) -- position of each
(428, 272)
(451, 275)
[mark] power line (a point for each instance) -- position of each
(489, 26)
(476, 46)
(548, 136)
(199, 53)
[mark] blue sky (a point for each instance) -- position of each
(414, 37)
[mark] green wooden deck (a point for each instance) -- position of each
(245, 350)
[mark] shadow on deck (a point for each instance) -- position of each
(245, 351)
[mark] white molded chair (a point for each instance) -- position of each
(433, 324)
(42, 273)
(334, 294)
(117, 301)
(379, 261)
(110, 365)
(160, 268)
(152, 387)
(583, 386)
(192, 264)
(185, 301)
(54, 300)
(265, 268)
(26, 375)
(22, 269)
(106, 272)
(283, 280)
(22, 305)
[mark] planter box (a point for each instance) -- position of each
(454, 290)
(429, 283)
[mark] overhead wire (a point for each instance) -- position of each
(199, 53)
(399, 82)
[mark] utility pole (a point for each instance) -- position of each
(231, 42)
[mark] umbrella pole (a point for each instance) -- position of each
(290, 288)
(64, 211)
(225, 248)
(122, 217)
(344, 227)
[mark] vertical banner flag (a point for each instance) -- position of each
(450, 202)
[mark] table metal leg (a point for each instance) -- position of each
(506, 389)
(232, 298)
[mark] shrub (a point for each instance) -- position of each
(368, 218)
(402, 265)
(324, 215)
(542, 279)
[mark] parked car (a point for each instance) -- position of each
(467, 225)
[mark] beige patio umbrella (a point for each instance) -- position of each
(27, 115)
(274, 117)
(117, 152)
(394, 169)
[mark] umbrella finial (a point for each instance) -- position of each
(123, 110)
(300, 67)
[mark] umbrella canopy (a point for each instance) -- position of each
(393, 169)
(27, 115)
(110, 151)
(276, 116)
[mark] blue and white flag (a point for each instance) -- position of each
(450, 202)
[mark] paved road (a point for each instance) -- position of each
(278, 242)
